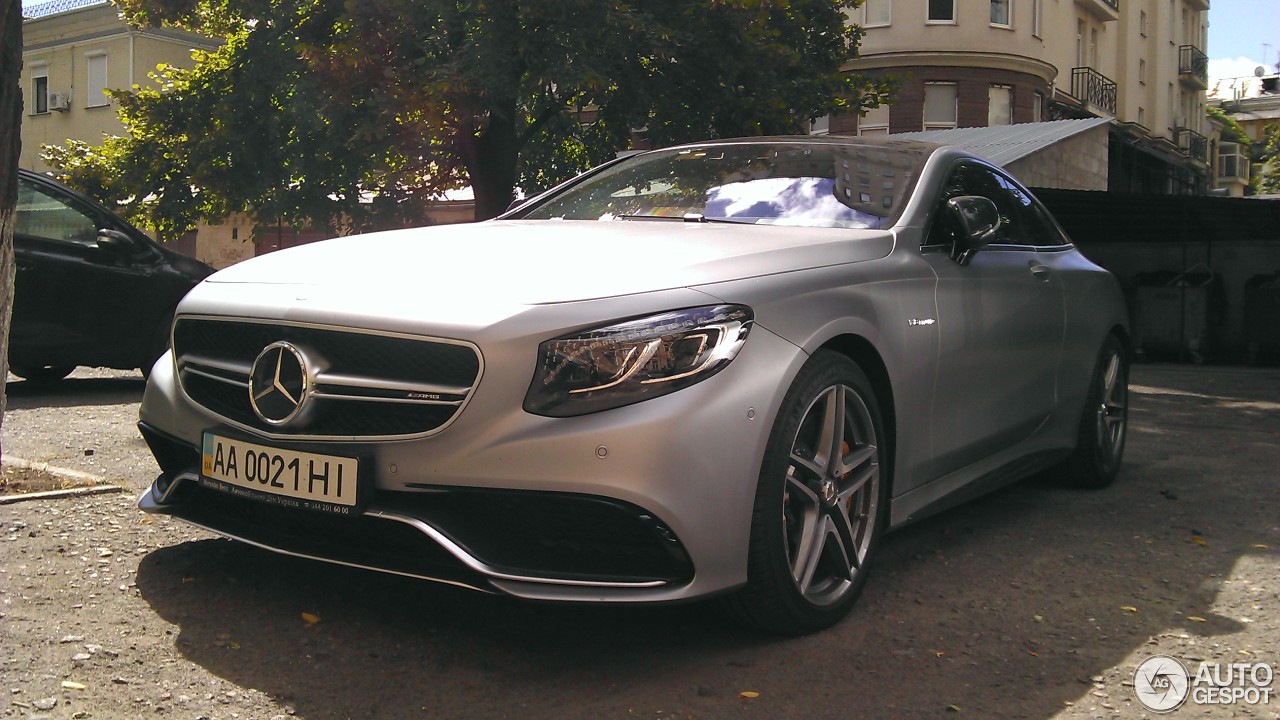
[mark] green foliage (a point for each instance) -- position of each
(1232, 131)
(1269, 176)
(352, 113)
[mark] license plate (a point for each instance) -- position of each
(305, 477)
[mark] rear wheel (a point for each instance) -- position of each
(821, 502)
(1103, 426)
(42, 373)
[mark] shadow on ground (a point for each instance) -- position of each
(1004, 607)
(73, 391)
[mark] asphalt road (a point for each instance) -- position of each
(1035, 602)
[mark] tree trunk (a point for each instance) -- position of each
(493, 170)
(10, 144)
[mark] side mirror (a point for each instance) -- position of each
(979, 222)
(115, 241)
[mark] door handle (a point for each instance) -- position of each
(1042, 272)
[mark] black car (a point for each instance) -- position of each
(91, 289)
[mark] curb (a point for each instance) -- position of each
(91, 484)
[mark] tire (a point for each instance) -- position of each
(42, 373)
(1104, 423)
(819, 511)
(159, 346)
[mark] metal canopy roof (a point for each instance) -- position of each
(45, 9)
(1003, 144)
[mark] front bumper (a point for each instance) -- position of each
(650, 502)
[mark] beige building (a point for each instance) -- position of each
(981, 63)
(73, 50)
(1254, 103)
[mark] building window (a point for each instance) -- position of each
(1142, 117)
(1093, 48)
(874, 121)
(40, 91)
(96, 80)
(1232, 164)
(939, 106)
(820, 126)
(877, 13)
(1080, 43)
(1142, 23)
(1037, 105)
(942, 10)
(1000, 105)
(1037, 12)
(1000, 13)
(1142, 72)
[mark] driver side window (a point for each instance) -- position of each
(49, 217)
(973, 179)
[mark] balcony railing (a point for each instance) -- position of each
(1192, 143)
(1193, 66)
(1094, 89)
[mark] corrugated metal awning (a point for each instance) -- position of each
(1003, 144)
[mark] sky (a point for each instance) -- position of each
(1243, 34)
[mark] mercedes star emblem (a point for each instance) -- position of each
(280, 383)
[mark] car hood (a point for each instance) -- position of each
(536, 262)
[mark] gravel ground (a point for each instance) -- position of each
(1034, 602)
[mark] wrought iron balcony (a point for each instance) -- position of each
(1192, 143)
(1193, 67)
(1096, 91)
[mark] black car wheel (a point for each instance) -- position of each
(821, 504)
(1104, 424)
(42, 373)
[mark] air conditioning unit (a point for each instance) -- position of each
(60, 102)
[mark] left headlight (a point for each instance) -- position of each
(635, 360)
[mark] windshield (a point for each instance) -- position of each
(799, 185)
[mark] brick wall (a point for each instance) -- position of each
(972, 86)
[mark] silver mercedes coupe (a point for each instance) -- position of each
(722, 369)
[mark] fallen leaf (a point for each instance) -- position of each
(1033, 653)
(147, 520)
(1196, 618)
(748, 695)
(1038, 618)
(1128, 608)
(1260, 546)
(939, 654)
(1198, 540)
(953, 708)
(233, 645)
(310, 618)
(71, 685)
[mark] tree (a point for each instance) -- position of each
(1269, 168)
(347, 112)
(10, 145)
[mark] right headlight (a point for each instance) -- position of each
(635, 360)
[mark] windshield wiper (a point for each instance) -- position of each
(687, 217)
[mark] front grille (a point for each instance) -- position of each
(366, 385)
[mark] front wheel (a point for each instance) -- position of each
(821, 501)
(1105, 421)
